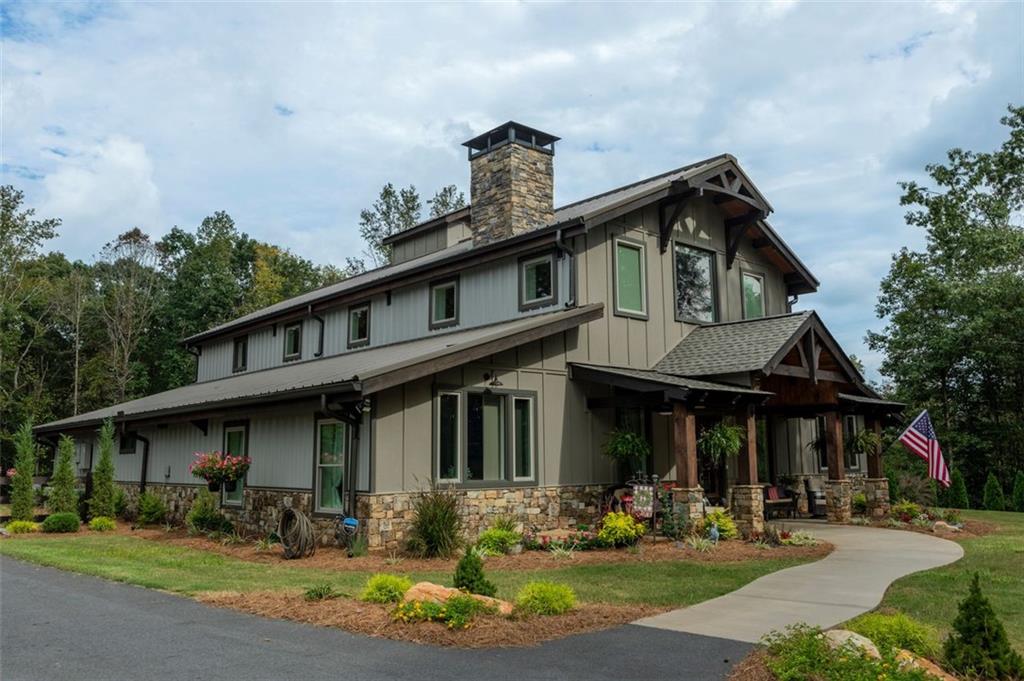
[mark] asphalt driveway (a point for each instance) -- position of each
(57, 626)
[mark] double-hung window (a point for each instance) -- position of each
(359, 325)
(240, 354)
(444, 303)
(849, 431)
(695, 284)
(753, 295)
(537, 281)
(293, 341)
(235, 444)
(630, 270)
(483, 437)
(332, 444)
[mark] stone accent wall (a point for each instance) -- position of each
(689, 501)
(839, 500)
(748, 508)
(877, 492)
(512, 190)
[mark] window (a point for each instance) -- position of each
(630, 279)
(850, 429)
(332, 444)
(821, 442)
(127, 443)
(293, 341)
(753, 295)
(359, 325)
(522, 438)
(448, 436)
(240, 354)
(695, 284)
(485, 436)
(235, 445)
(537, 282)
(444, 304)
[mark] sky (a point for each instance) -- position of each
(291, 116)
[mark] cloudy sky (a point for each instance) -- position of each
(291, 116)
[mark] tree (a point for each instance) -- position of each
(994, 499)
(953, 338)
(956, 495)
(446, 200)
(23, 493)
(469, 575)
(393, 211)
(63, 495)
(74, 295)
(102, 502)
(1018, 492)
(978, 647)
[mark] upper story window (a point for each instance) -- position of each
(240, 354)
(630, 279)
(537, 281)
(359, 325)
(293, 341)
(444, 303)
(695, 284)
(753, 295)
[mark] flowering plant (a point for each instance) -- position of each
(11, 472)
(218, 467)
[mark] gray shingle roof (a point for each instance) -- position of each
(731, 347)
(669, 379)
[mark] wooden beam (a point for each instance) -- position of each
(761, 242)
(669, 220)
(734, 229)
(834, 446)
(747, 463)
(684, 445)
(812, 356)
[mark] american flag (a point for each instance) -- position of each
(920, 438)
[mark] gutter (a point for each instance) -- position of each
(195, 351)
(145, 462)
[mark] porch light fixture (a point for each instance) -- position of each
(492, 379)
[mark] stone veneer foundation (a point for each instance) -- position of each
(748, 508)
(877, 492)
(839, 500)
(386, 517)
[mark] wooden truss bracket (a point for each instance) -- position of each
(667, 219)
(734, 229)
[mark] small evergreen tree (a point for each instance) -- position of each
(63, 495)
(993, 497)
(1018, 492)
(103, 494)
(469, 575)
(23, 494)
(978, 646)
(956, 495)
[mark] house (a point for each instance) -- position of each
(502, 344)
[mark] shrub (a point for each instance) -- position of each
(120, 503)
(103, 487)
(620, 529)
(204, 516)
(469, 576)
(22, 526)
(385, 588)
(63, 495)
(23, 495)
(497, 541)
(952, 516)
(151, 509)
(102, 524)
(320, 592)
(700, 544)
(1017, 498)
(61, 522)
(993, 498)
(800, 538)
(802, 653)
(545, 598)
(978, 645)
(860, 502)
(905, 510)
(726, 525)
(505, 522)
(436, 528)
(897, 631)
(956, 495)
(457, 612)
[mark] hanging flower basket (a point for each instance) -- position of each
(219, 469)
(213, 486)
(230, 486)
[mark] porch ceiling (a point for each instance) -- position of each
(673, 387)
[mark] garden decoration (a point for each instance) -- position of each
(713, 533)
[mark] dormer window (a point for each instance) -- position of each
(537, 281)
(695, 284)
(359, 325)
(293, 342)
(444, 303)
(240, 354)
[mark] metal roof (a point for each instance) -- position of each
(657, 377)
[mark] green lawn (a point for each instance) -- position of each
(189, 571)
(932, 596)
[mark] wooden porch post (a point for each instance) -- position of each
(747, 474)
(684, 445)
(875, 457)
(834, 446)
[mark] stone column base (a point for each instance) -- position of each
(689, 501)
(748, 508)
(877, 492)
(839, 500)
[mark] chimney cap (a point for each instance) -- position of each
(508, 133)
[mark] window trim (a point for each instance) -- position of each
(820, 425)
(234, 426)
(359, 342)
(127, 437)
(715, 308)
(533, 437)
(764, 292)
(847, 450)
(345, 465)
(436, 425)
(448, 322)
(298, 355)
(546, 301)
(618, 311)
(235, 366)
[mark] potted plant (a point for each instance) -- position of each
(864, 443)
(209, 467)
(234, 468)
(628, 448)
(720, 440)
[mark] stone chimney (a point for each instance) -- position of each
(512, 181)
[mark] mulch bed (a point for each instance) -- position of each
(971, 528)
(371, 619)
(752, 668)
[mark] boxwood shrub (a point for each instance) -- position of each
(102, 523)
(545, 598)
(385, 588)
(61, 522)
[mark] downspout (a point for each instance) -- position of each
(353, 464)
(145, 462)
(565, 248)
(791, 301)
(320, 338)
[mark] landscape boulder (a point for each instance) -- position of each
(908, 660)
(428, 592)
(840, 638)
(943, 526)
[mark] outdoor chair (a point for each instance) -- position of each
(815, 500)
(778, 502)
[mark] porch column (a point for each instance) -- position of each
(687, 495)
(747, 495)
(876, 485)
(838, 495)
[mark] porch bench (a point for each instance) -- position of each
(778, 501)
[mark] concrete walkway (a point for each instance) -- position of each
(850, 581)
